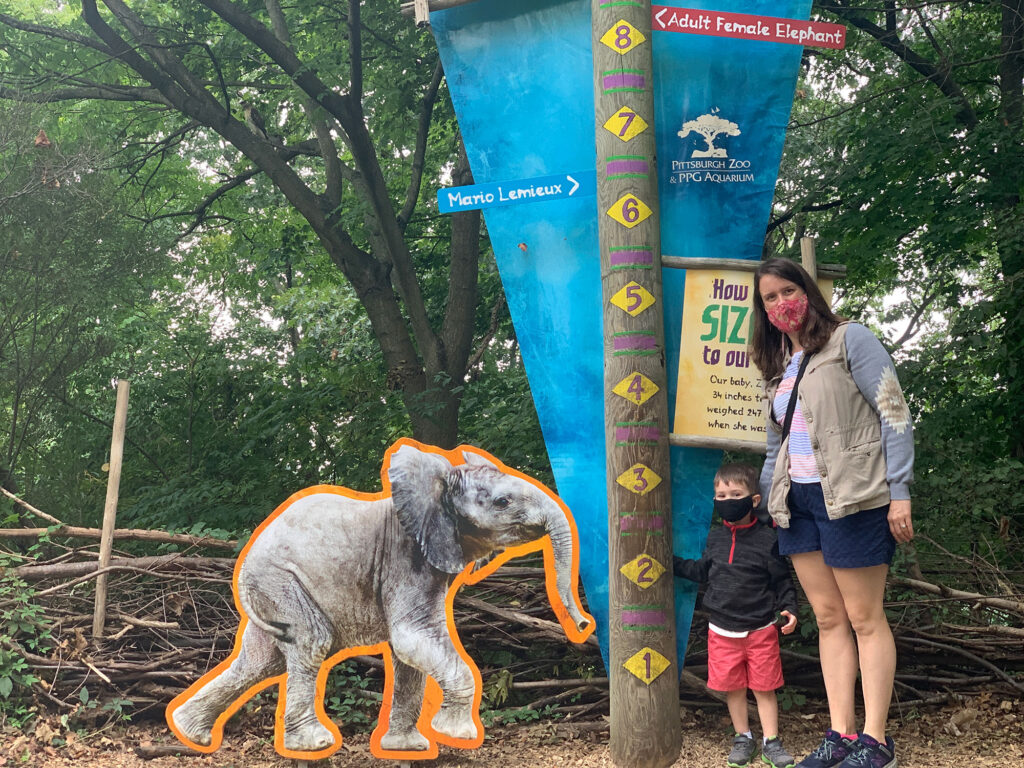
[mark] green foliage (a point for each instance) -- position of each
(527, 714)
(22, 626)
(790, 699)
(915, 188)
(351, 698)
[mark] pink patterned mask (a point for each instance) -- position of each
(789, 315)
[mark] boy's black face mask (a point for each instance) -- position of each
(732, 510)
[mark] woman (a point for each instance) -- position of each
(838, 486)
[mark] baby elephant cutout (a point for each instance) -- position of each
(334, 573)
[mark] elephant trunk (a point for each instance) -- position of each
(559, 531)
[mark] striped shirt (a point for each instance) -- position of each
(802, 467)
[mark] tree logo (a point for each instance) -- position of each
(710, 127)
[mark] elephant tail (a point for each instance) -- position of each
(276, 629)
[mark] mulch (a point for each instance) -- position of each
(985, 731)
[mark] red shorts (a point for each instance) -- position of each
(745, 662)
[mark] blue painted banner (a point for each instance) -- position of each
(521, 79)
(536, 190)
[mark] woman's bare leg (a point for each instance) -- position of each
(835, 640)
(863, 591)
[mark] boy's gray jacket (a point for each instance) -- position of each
(858, 423)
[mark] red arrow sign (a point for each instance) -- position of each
(747, 27)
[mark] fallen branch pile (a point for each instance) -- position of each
(171, 618)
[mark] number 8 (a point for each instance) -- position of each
(622, 40)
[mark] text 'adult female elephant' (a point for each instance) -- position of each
(334, 573)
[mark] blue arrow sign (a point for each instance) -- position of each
(534, 190)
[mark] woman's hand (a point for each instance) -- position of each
(900, 524)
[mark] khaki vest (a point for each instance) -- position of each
(846, 437)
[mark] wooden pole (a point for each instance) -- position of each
(409, 8)
(110, 507)
(643, 671)
(807, 256)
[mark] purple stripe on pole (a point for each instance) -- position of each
(626, 166)
(618, 258)
(624, 80)
(639, 341)
(637, 433)
(643, 617)
(634, 522)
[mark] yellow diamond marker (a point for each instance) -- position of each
(647, 664)
(636, 388)
(642, 570)
(633, 298)
(639, 479)
(625, 123)
(623, 37)
(629, 210)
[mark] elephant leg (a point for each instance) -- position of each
(435, 655)
(306, 647)
(406, 700)
(257, 660)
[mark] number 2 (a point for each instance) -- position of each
(646, 564)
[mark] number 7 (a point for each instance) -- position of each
(629, 119)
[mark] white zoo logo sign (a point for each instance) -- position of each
(710, 162)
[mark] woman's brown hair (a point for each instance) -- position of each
(769, 345)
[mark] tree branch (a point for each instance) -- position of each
(355, 51)
(100, 91)
(776, 223)
(940, 77)
(426, 114)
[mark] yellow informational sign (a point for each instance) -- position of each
(719, 389)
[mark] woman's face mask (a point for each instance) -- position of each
(789, 315)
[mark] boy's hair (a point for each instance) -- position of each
(739, 474)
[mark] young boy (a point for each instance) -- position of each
(747, 581)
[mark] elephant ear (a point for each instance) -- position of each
(476, 460)
(417, 485)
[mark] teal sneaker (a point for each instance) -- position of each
(743, 750)
(775, 755)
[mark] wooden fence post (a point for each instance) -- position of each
(643, 671)
(808, 257)
(110, 506)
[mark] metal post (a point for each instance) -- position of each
(110, 507)
(643, 671)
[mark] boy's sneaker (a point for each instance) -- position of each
(872, 754)
(834, 748)
(743, 749)
(775, 755)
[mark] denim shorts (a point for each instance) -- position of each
(860, 540)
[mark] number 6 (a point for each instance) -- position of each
(630, 211)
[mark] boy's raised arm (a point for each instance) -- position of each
(694, 570)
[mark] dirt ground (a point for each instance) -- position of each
(985, 731)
